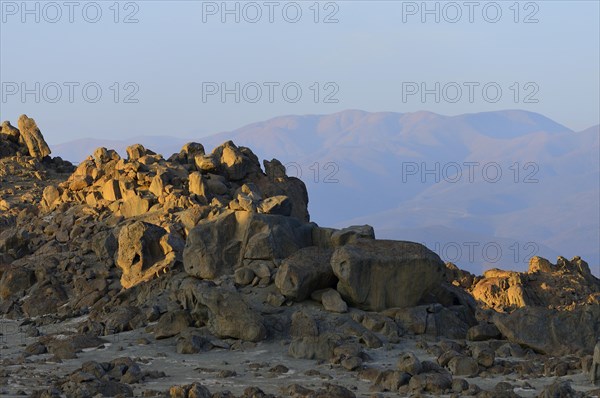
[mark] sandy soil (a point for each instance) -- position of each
(220, 369)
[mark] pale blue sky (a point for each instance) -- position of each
(368, 54)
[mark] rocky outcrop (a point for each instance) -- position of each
(32, 137)
(377, 274)
(230, 178)
(26, 140)
(207, 250)
(25, 170)
(502, 290)
(551, 308)
(563, 285)
(218, 246)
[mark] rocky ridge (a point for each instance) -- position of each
(213, 252)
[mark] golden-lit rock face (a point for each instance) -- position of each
(146, 250)
(563, 285)
(32, 138)
(228, 178)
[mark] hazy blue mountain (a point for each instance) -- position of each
(380, 169)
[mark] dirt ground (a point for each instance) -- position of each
(219, 369)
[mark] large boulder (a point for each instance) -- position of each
(551, 331)
(595, 369)
(277, 183)
(378, 274)
(32, 137)
(188, 153)
(305, 271)
(235, 163)
(219, 245)
(135, 206)
(229, 315)
(145, 250)
(352, 234)
(137, 151)
(307, 340)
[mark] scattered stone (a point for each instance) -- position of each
(332, 301)
(484, 331)
(171, 324)
(463, 366)
(560, 389)
(279, 369)
(192, 344)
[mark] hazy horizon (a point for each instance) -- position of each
(49, 134)
(357, 55)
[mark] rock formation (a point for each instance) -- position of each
(26, 140)
(563, 285)
(210, 255)
(543, 307)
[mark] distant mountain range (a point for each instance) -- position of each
(501, 186)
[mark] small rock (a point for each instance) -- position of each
(410, 364)
(333, 302)
(352, 363)
(483, 332)
(171, 324)
(192, 344)
(279, 369)
(463, 366)
(459, 385)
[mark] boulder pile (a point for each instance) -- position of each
(25, 169)
(145, 182)
(215, 252)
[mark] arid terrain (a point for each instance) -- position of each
(202, 275)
